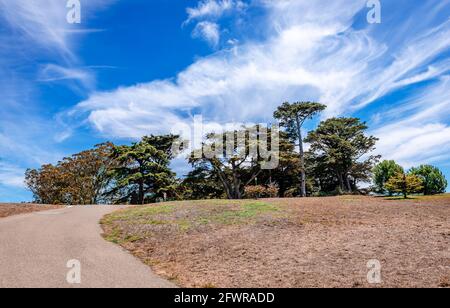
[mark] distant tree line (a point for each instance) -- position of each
(390, 178)
(133, 174)
(337, 161)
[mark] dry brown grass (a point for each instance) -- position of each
(10, 209)
(314, 242)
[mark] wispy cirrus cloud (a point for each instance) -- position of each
(214, 9)
(11, 175)
(417, 131)
(324, 55)
(37, 28)
(54, 73)
(207, 13)
(31, 33)
(209, 31)
(43, 22)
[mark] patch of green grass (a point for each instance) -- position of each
(149, 211)
(417, 197)
(203, 221)
(150, 262)
(184, 225)
(440, 196)
(114, 235)
(107, 220)
(186, 216)
(243, 213)
(398, 198)
(138, 213)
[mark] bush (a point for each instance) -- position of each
(272, 191)
(259, 191)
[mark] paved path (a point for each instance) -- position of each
(35, 249)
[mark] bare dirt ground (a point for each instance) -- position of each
(10, 209)
(314, 242)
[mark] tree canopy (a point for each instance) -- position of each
(254, 161)
(434, 181)
(405, 184)
(341, 150)
(202, 183)
(143, 171)
(383, 172)
(82, 178)
(292, 117)
(237, 157)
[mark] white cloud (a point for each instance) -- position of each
(214, 8)
(31, 31)
(11, 176)
(417, 131)
(39, 21)
(44, 22)
(209, 31)
(413, 145)
(207, 13)
(53, 72)
(310, 52)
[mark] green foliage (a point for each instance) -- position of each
(383, 172)
(233, 163)
(143, 172)
(433, 179)
(201, 184)
(405, 184)
(164, 143)
(292, 117)
(338, 146)
(338, 160)
(286, 175)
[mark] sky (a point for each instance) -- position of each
(137, 67)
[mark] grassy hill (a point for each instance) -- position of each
(311, 242)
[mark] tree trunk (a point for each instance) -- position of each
(349, 185)
(236, 183)
(341, 180)
(223, 179)
(227, 191)
(302, 160)
(141, 192)
(237, 193)
(405, 187)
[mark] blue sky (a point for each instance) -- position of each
(136, 67)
